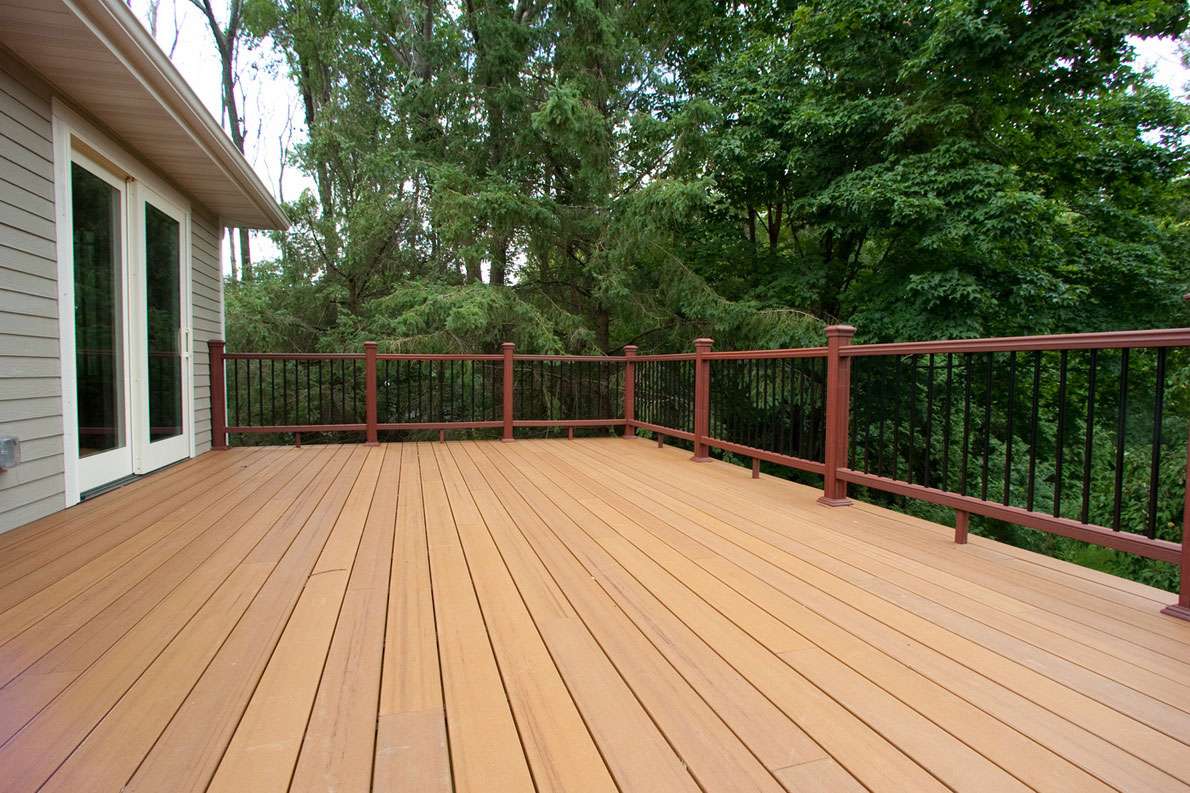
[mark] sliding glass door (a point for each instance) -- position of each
(164, 387)
(98, 210)
(130, 326)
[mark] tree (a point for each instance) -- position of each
(227, 36)
(953, 168)
(650, 172)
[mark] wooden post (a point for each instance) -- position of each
(1181, 609)
(702, 398)
(838, 402)
(507, 348)
(629, 391)
(660, 440)
(755, 468)
(218, 395)
(370, 392)
(961, 519)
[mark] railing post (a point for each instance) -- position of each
(508, 348)
(629, 391)
(961, 520)
(370, 395)
(1181, 609)
(218, 394)
(702, 398)
(838, 403)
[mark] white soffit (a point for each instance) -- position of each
(98, 56)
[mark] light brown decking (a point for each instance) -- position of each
(586, 615)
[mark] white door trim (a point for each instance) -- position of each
(70, 132)
(149, 455)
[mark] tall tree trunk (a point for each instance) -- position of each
(245, 255)
(603, 328)
(474, 273)
(231, 255)
(499, 261)
(227, 42)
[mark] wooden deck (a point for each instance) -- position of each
(591, 615)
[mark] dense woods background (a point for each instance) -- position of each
(579, 175)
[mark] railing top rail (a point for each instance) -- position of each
(742, 355)
(1165, 337)
(572, 358)
(668, 356)
(413, 356)
(293, 356)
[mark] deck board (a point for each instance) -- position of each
(551, 615)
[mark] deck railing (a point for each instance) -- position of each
(1081, 435)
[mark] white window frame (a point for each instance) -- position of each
(71, 131)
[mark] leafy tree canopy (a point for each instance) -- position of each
(584, 174)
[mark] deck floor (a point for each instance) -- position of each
(590, 615)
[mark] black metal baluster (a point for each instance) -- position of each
(1088, 440)
(1060, 439)
(864, 413)
(946, 426)
(770, 392)
(788, 409)
(235, 388)
(1033, 431)
(1155, 466)
(881, 449)
(1121, 436)
(925, 468)
(284, 392)
(321, 387)
(966, 422)
(1008, 428)
(248, 391)
(896, 439)
(439, 379)
(260, 388)
(912, 411)
(987, 428)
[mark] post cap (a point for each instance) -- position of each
(703, 343)
(630, 349)
(508, 345)
(369, 344)
(840, 330)
(216, 343)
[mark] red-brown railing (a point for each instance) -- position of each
(371, 392)
(1087, 437)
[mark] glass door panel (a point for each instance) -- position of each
(98, 314)
(163, 323)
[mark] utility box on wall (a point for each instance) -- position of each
(10, 451)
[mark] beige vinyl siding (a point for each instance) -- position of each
(206, 299)
(30, 372)
(30, 368)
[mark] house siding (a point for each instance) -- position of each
(206, 300)
(30, 367)
(30, 372)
